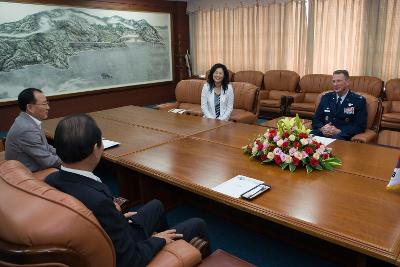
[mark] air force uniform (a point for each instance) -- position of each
(349, 116)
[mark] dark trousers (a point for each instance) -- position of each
(151, 217)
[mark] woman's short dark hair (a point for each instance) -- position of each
(27, 97)
(75, 138)
(225, 80)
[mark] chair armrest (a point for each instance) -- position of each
(41, 175)
(176, 254)
(167, 106)
(264, 94)
(366, 137)
(248, 118)
(387, 105)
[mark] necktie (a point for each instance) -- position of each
(338, 104)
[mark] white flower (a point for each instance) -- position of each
(298, 155)
(270, 155)
(277, 151)
(316, 155)
(292, 137)
(322, 147)
(254, 150)
(280, 142)
(283, 157)
(304, 141)
(288, 159)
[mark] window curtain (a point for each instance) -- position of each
(258, 37)
(361, 36)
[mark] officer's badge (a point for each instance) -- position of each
(326, 118)
(349, 110)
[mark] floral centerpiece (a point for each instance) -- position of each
(291, 146)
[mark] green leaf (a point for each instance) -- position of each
(266, 161)
(284, 165)
(318, 167)
(309, 168)
(292, 168)
(326, 166)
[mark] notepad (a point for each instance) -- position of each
(177, 110)
(236, 186)
(108, 143)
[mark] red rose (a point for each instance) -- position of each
(285, 135)
(309, 150)
(285, 144)
(314, 162)
(260, 146)
(316, 144)
(296, 144)
(303, 135)
(263, 157)
(296, 161)
(277, 159)
(325, 156)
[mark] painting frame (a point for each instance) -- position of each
(112, 8)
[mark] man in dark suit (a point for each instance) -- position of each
(341, 114)
(25, 140)
(137, 236)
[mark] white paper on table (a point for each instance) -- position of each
(324, 140)
(108, 143)
(236, 186)
(177, 110)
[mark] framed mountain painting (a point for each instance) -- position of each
(64, 50)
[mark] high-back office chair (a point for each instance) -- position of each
(278, 84)
(374, 110)
(245, 103)
(391, 106)
(41, 226)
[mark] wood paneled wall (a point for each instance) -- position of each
(135, 95)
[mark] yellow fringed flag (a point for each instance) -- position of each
(394, 182)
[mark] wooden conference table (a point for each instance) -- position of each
(349, 207)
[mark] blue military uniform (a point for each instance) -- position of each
(350, 116)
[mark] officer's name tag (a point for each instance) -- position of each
(327, 110)
(349, 110)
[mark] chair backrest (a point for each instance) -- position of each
(281, 80)
(393, 94)
(249, 76)
(231, 74)
(245, 96)
(189, 91)
(40, 224)
(314, 84)
(374, 109)
(367, 84)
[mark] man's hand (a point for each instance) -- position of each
(168, 235)
(329, 130)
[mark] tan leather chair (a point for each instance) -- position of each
(249, 76)
(374, 111)
(246, 103)
(311, 85)
(367, 84)
(278, 84)
(41, 226)
(391, 107)
(188, 97)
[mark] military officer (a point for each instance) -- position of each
(341, 114)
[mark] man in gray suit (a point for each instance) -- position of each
(25, 140)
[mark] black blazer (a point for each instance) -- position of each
(131, 246)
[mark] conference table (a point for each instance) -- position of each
(349, 206)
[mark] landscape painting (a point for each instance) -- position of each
(69, 49)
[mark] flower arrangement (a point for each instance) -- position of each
(291, 146)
